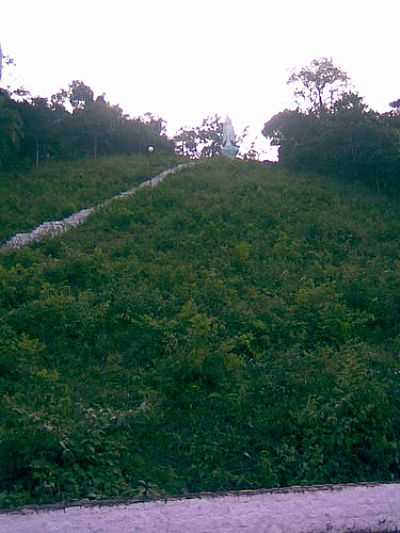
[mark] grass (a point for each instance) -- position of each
(58, 189)
(235, 327)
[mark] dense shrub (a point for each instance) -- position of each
(232, 328)
(347, 141)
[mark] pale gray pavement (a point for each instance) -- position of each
(340, 509)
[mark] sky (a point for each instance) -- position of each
(185, 59)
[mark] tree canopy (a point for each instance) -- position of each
(318, 85)
(335, 132)
(204, 140)
(72, 123)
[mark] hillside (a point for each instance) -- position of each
(56, 190)
(235, 327)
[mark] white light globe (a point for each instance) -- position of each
(150, 149)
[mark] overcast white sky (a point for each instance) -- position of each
(184, 59)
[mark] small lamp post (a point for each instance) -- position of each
(150, 150)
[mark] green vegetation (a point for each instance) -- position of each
(333, 132)
(57, 189)
(235, 327)
(71, 124)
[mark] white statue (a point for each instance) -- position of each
(229, 148)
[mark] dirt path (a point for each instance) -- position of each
(370, 508)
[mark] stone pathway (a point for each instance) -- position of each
(353, 508)
(51, 229)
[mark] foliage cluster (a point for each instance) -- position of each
(332, 131)
(201, 141)
(232, 328)
(71, 124)
(206, 140)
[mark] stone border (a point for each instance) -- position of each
(294, 489)
(357, 508)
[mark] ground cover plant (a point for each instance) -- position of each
(236, 327)
(58, 189)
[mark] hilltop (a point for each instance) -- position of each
(235, 327)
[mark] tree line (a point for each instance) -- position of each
(73, 123)
(333, 131)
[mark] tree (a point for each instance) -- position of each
(252, 154)
(80, 95)
(58, 100)
(210, 135)
(186, 143)
(319, 84)
(37, 117)
(158, 124)
(295, 134)
(5, 60)
(97, 121)
(72, 123)
(201, 141)
(350, 141)
(11, 129)
(395, 105)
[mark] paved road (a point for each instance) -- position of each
(362, 508)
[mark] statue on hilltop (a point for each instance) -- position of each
(229, 148)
